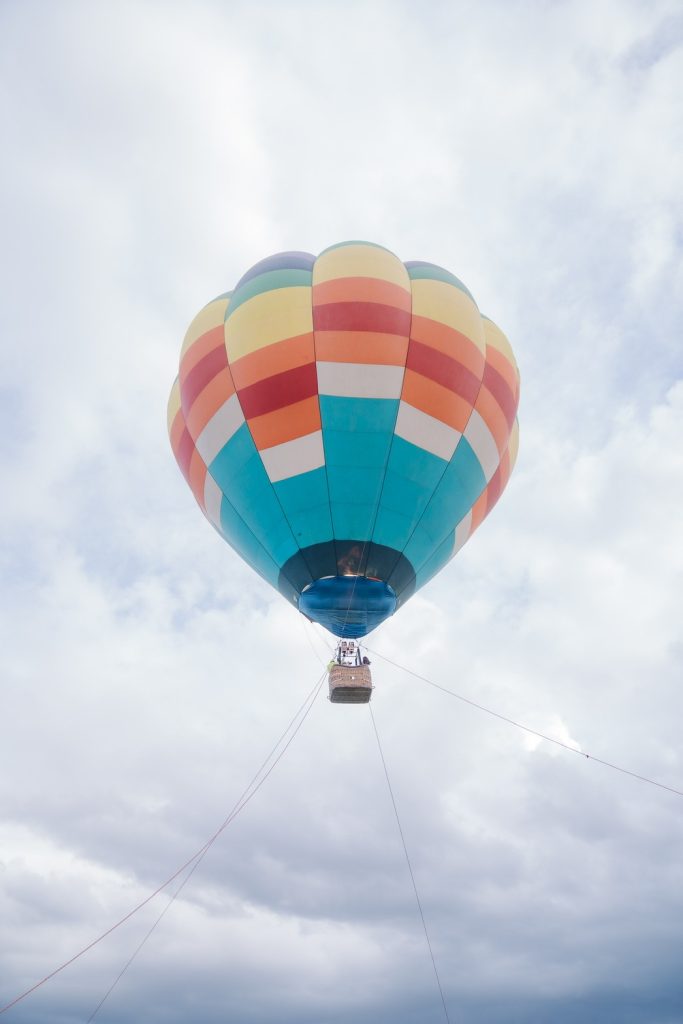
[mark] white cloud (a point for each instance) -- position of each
(154, 155)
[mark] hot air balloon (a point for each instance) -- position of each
(345, 422)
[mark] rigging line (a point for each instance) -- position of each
(239, 805)
(410, 868)
(242, 802)
(532, 732)
(303, 621)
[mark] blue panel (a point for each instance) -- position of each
(460, 486)
(306, 505)
(367, 414)
(436, 561)
(360, 449)
(393, 528)
(357, 434)
(231, 457)
(253, 496)
(238, 471)
(238, 534)
(354, 520)
(411, 478)
(349, 606)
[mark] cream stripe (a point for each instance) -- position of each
(266, 318)
(212, 315)
(294, 457)
(220, 428)
(360, 261)
(483, 444)
(213, 496)
(449, 305)
(426, 432)
(462, 532)
(360, 380)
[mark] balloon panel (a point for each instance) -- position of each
(345, 416)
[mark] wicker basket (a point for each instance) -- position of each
(350, 684)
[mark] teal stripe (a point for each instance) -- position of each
(239, 472)
(411, 478)
(356, 241)
(241, 538)
(436, 561)
(431, 272)
(357, 435)
(459, 488)
(305, 503)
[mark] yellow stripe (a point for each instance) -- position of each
(210, 316)
(495, 337)
(360, 261)
(441, 301)
(267, 318)
(513, 444)
(173, 404)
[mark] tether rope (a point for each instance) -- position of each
(410, 867)
(250, 791)
(528, 729)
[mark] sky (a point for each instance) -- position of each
(152, 153)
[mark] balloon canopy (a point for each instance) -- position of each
(345, 422)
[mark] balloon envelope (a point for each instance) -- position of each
(345, 422)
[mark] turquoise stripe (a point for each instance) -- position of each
(240, 537)
(459, 488)
(410, 481)
(357, 241)
(371, 415)
(357, 435)
(305, 502)
(430, 272)
(436, 561)
(269, 281)
(238, 471)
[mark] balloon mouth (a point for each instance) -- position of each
(348, 606)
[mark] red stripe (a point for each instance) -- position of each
(493, 491)
(280, 390)
(201, 375)
(361, 316)
(184, 453)
(431, 363)
(500, 390)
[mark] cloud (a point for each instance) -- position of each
(146, 673)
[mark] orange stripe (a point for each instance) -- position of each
(287, 354)
(282, 425)
(479, 511)
(177, 428)
(209, 401)
(362, 289)
(493, 417)
(436, 400)
(361, 347)
(449, 341)
(504, 367)
(201, 347)
(198, 477)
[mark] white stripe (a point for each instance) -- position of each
(360, 380)
(462, 532)
(425, 431)
(220, 428)
(483, 444)
(294, 457)
(213, 496)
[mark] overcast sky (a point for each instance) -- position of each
(152, 152)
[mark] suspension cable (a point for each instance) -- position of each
(410, 868)
(528, 729)
(247, 794)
